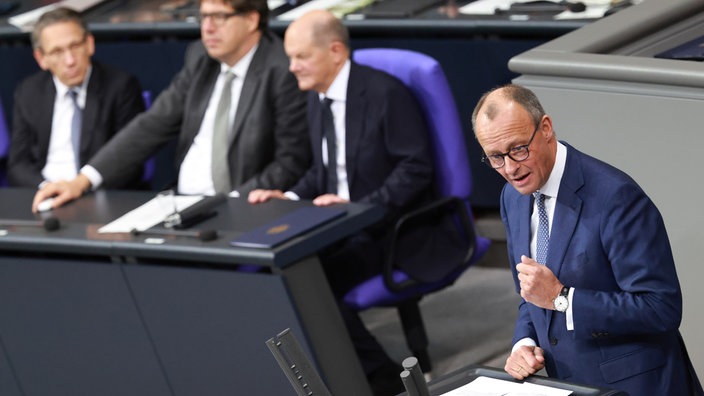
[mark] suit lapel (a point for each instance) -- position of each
(567, 210)
(94, 102)
(355, 110)
(198, 102)
(46, 101)
(249, 88)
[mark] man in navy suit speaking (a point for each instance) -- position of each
(600, 300)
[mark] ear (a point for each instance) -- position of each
(41, 59)
(90, 44)
(252, 19)
(339, 51)
(546, 127)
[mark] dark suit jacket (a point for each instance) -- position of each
(113, 99)
(387, 152)
(609, 242)
(269, 141)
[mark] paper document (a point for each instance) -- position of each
(331, 5)
(150, 214)
(485, 386)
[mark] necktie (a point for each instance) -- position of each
(329, 133)
(220, 164)
(76, 127)
(541, 248)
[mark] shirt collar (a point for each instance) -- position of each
(552, 186)
(240, 68)
(62, 89)
(338, 89)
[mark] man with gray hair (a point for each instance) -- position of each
(67, 112)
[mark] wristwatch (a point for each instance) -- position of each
(561, 302)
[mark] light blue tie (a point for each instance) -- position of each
(541, 248)
(76, 127)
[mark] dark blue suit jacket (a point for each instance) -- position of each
(608, 241)
(387, 144)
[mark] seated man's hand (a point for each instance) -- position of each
(260, 196)
(62, 191)
(328, 199)
(525, 361)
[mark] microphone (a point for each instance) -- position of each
(49, 224)
(204, 235)
(543, 6)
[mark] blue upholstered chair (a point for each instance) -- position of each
(4, 145)
(394, 287)
(150, 165)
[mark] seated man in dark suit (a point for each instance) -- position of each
(234, 107)
(370, 144)
(48, 142)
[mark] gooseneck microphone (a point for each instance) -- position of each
(202, 235)
(49, 224)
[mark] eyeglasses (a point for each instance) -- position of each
(73, 48)
(218, 18)
(518, 154)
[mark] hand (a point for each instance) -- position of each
(539, 286)
(525, 361)
(328, 199)
(62, 191)
(261, 196)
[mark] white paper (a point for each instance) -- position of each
(150, 214)
(309, 6)
(274, 4)
(487, 7)
(485, 386)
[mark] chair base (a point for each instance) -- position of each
(414, 330)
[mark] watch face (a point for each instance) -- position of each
(561, 303)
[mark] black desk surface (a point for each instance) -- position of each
(81, 219)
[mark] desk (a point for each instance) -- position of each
(88, 313)
(468, 374)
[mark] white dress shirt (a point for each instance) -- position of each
(195, 175)
(60, 159)
(550, 189)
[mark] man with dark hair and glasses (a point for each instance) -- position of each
(600, 299)
(64, 114)
(236, 111)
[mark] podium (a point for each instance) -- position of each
(468, 374)
(118, 314)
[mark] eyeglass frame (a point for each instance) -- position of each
(487, 158)
(57, 54)
(218, 19)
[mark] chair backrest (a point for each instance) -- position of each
(150, 165)
(424, 76)
(4, 133)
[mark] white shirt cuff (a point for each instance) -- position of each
(93, 176)
(568, 318)
(523, 341)
(292, 196)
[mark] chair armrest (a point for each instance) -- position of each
(430, 243)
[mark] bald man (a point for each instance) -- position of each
(380, 157)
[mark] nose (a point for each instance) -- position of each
(510, 166)
(292, 66)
